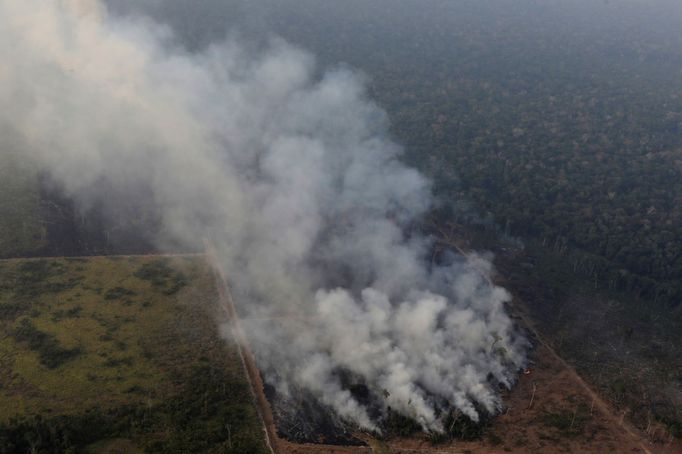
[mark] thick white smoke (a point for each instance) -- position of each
(293, 177)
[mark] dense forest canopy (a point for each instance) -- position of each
(562, 120)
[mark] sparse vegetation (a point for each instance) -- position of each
(566, 422)
(117, 293)
(11, 310)
(162, 276)
(51, 353)
(152, 379)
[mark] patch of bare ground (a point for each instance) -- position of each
(287, 447)
(549, 411)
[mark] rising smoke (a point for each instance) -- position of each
(293, 177)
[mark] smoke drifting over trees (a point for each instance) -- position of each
(295, 179)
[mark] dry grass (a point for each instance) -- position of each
(143, 334)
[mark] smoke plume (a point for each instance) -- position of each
(291, 173)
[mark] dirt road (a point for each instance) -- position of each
(248, 360)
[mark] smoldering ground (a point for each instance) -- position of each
(293, 177)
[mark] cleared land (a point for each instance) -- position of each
(551, 410)
(119, 355)
(564, 417)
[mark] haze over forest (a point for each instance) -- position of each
(439, 188)
(584, 94)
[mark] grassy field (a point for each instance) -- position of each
(21, 229)
(117, 355)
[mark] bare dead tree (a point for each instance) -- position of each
(532, 397)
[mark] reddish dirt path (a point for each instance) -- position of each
(600, 404)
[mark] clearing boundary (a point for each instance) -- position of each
(245, 353)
